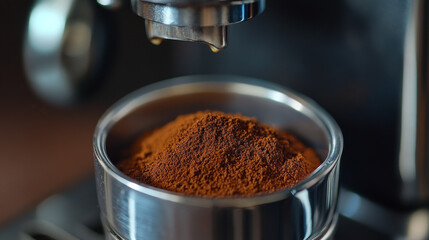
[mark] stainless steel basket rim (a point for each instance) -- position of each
(277, 93)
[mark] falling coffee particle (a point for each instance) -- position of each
(215, 154)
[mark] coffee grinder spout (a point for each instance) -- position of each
(203, 21)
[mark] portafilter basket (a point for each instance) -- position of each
(133, 210)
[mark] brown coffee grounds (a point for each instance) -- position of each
(214, 154)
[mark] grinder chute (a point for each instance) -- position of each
(192, 20)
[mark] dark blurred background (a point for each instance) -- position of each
(46, 147)
(42, 148)
(347, 55)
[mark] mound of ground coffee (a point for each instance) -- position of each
(215, 154)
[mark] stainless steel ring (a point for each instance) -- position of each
(133, 210)
(64, 50)
(203, 15)
(197, 21)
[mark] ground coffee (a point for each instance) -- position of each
(214, 154)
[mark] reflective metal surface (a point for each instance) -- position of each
(215, 37)
(202, 15)
(195, 20)
(134, 210)
(393, 224)
(414, 144)
(112, 4)
(63, 50)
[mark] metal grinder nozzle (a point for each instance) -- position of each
(203, 21)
